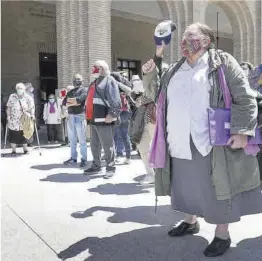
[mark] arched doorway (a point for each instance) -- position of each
(216, 18)
(237, 15)
(132, 27)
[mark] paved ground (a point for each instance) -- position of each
(50, 212)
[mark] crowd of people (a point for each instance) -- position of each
(167, 116)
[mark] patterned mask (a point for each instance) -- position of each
(190, 47)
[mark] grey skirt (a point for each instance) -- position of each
(193, 193)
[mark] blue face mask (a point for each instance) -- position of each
(52, 100)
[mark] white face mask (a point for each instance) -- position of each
(20, 92)
(138, 86)
(95, 75)
(52, 100)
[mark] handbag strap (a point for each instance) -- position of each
(101, 95)
(21, 106)
(224, 87)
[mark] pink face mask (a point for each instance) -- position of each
(190, 47)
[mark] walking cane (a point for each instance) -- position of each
(37, 137)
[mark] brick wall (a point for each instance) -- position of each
(26, 31)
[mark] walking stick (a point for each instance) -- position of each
(37, 137)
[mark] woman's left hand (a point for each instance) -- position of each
(238, 141)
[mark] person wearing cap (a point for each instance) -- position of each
(19, 103)
(75, 102)
(218, 182)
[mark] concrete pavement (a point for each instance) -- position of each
(51, 212)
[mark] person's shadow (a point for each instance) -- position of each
(54, 166)
(153, 244)
(69, 178)
(148, 215)
(121, 189)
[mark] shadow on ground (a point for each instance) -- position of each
(54, 166)
(139, 214)
(121, 189)
(152, 244)
(9, 155)
(70, 178)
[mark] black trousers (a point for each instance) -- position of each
(52, 132)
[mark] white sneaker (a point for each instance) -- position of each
(109, 174)
(118, 160)
(149, 179)
(127, 161)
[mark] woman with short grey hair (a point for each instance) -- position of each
(216, 181)
(19, 103)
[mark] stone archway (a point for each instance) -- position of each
(240, 18)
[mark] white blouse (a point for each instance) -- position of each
(188, 99)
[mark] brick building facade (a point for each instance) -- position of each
(80, 32)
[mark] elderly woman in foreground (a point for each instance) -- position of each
(218, 183)
(19, 103)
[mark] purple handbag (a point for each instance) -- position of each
(219, 118)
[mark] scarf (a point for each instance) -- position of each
(157, 153)
(52, 107)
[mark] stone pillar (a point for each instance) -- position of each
(99, 31)
(83, 36)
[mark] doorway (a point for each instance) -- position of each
(48, 73)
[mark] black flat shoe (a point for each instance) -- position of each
(92, 170)
(217, 247)
(184, 229)
(13, 153)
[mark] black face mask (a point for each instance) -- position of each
(77, 82)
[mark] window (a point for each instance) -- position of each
(129, 66)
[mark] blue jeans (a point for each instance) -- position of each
(77, 130)
(122, 138)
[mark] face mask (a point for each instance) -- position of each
(190, 47)
(77, 82)
(95, 72)
(52, 100)
(20, 92)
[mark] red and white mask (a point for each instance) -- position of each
(96, 71)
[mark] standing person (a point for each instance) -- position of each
(30, 92)
(143, 145)
(75, 102)
(19, 104)
(64, 113)
(121, 136)
(103, 107)
(52, 118)
(219, 183)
